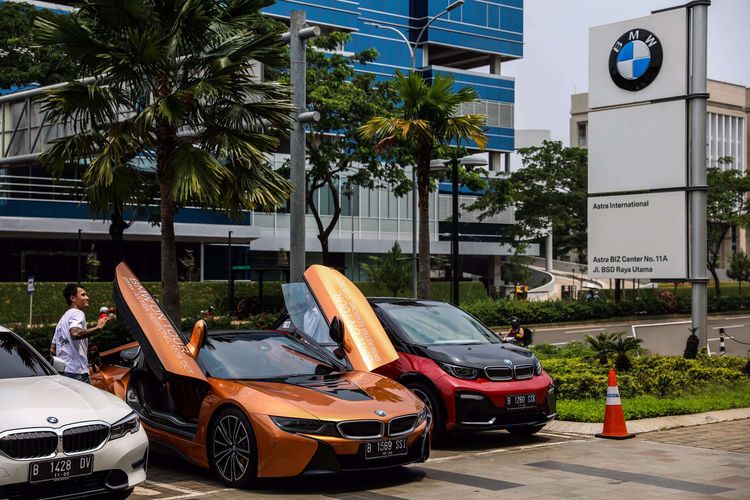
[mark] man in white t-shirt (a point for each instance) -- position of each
(70, 342)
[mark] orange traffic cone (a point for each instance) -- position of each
(614, 419)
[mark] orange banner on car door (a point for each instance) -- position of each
(150, 324)
(365, 342)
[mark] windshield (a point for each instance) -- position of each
(305, 313)
(260, 356)
(437, 323)
(18, 360)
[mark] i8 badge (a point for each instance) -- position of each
(635, 60)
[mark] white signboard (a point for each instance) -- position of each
(638, 148)
(638, 60)
(638, 236)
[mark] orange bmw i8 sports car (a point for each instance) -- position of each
(253, 404)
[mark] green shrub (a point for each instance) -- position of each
(579, 378)
(499, 312)
(195, 297)
(570, 350)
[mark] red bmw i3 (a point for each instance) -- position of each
(462, 370)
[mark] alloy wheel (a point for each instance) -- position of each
(231, 448)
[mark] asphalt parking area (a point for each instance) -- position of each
(486, 465)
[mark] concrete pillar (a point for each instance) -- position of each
(548, 252)
(494, 266)
(496, 161)
(495, 63)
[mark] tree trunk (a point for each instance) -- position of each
(423, 188)
(117, 228)
(324, 233)
(717, 285)
(166, 143)
(169, 284)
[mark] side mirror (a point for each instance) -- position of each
(336, 331)
(198, 337)
(58, 364)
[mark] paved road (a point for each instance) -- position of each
(697, 462)
(661, 337)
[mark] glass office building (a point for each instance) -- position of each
(42, 220)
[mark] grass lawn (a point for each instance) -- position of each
(647, 406)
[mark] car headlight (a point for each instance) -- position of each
(129, 424)
(463, 372)
(422, 416)
(537, 367)
(306, 426)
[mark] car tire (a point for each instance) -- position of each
(428, 396)
(526, 430)
(232, 452)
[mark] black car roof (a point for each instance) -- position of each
(398, 300)
(216, 333)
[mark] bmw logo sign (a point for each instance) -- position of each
(52, 420)
(380, 413)
(635, 60)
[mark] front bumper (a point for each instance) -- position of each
(478, 411)
(283, 454)
(119, 465)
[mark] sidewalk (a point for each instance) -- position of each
(653, 424)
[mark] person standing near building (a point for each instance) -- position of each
(70, 342)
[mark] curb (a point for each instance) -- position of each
(653, 424)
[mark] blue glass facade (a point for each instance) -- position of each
(40, 217)
(478, 31)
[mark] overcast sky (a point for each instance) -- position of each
(555, 60)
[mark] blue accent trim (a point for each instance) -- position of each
(67, 210)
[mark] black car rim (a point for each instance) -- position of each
(231, 447)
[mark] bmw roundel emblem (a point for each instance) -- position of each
(508, 362)
(380, 413)
(635, 59)
(52, 420)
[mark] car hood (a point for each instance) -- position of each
(34, 399)
(480, 355)
(352, 395)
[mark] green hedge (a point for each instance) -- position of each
(650, 302)
(581, 378)
(49, 303)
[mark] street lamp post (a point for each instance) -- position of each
(455, 260)
(78, 258)
(230, 277)
(413, 56)
(436, 165)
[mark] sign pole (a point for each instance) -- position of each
(698, 191)
(30, 287)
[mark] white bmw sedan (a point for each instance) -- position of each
(62, 438)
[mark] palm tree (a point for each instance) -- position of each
(621, 347)
(602, 345)
(172, 81)
(426, 118)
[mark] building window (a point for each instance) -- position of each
(582, 134)
(499, 114)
